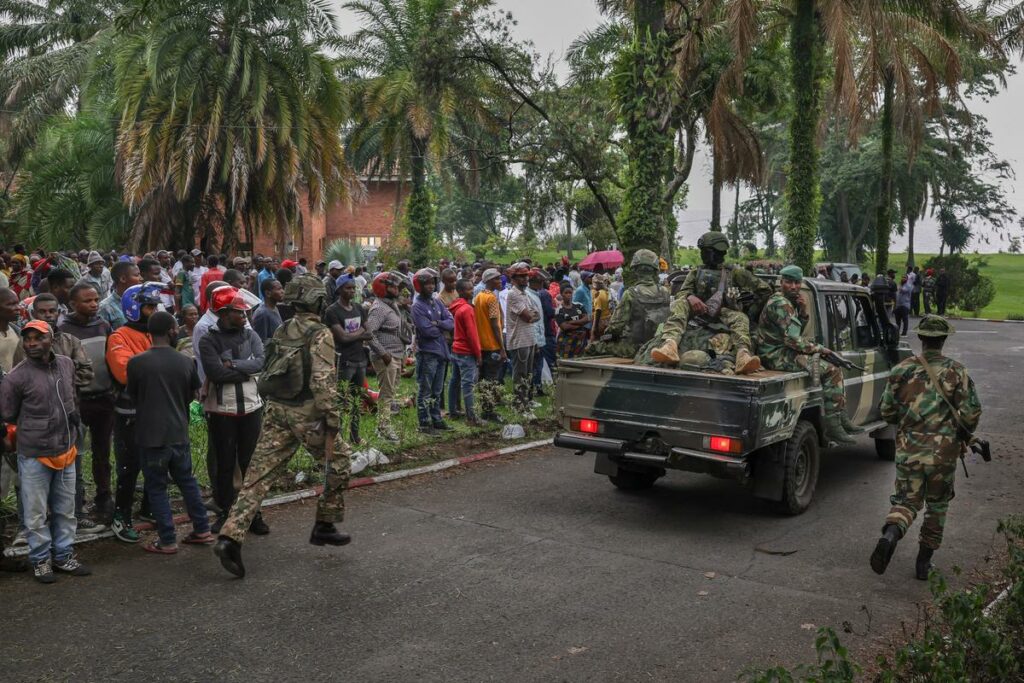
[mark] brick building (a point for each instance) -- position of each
(368, 223)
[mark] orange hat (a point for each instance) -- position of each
(38, 325)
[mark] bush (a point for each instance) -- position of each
(1015, 316)
(969, 290)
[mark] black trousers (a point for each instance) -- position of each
(126, 457)
(98, 417)
(234, 439)
(940, 302)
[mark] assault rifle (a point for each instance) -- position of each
(841, 362)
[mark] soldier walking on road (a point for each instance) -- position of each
(782, 347)
(298, 381)
(714, 291)
(931, 400)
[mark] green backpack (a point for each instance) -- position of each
(287, 365)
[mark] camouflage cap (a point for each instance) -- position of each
(794, 273)
(694, 360)
(713, 240)
(306, 291)
(644, 257)
(934, 326)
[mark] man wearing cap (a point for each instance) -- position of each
(97, 274)
(522, 338)
(782, 347)
(932, 401)
(489, 325)
(38, 396)
(716, 293)
(231, 356)
(334, 271)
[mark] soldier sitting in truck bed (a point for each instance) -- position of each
(644, 306)
(713, 293)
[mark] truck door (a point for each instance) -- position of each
(850, 334)
(868, 339)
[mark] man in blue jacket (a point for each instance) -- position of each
(431, 319)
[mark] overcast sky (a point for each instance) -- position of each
(553, 24)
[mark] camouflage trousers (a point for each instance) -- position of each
(737, 322)
(285, 428)
(922, 480)
(620, 348)
(833, 392)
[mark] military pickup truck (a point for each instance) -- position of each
(764, 430)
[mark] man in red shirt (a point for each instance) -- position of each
(466, 353)
(213, 273)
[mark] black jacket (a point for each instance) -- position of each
(40, 397)
(232, 390)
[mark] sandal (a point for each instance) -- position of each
(158, 549)
(200, 539)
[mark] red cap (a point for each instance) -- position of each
(225, 297)
(37, 325)
(289, 264)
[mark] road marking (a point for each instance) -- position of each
(977, 332)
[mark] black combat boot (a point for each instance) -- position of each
(325, 533)
(258, 526)
(230, 553)
(885, 547)
(924, 562)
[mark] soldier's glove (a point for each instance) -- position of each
(981, 447)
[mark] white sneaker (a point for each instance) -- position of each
(21, 539)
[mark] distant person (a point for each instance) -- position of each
(942, 287)
(903, 302)
(267, 317)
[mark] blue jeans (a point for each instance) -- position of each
(174, 461)
(464, 371)
(44, 489)
(430, 378)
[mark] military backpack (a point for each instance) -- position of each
(648, 310)
(288, 364)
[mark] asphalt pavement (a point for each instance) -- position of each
(527, 567)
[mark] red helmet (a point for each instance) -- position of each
(424, 274)
(381, 282)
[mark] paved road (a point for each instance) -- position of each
(525, 568)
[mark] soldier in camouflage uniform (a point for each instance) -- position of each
(929, 439)
(307, 421)
(643, 307)
(699, 296)
(782, 348)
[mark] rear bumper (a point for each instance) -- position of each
(717, 464)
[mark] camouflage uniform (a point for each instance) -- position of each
(781, 347)
(704, 283)
(643, 307)
(286, 427)
(927, 444)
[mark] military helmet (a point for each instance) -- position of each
(644, 257)
(794, 273)
(306, 292)
(694, 360)
(713, 240)
(934, 326)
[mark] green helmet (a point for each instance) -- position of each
(713, 240)
(934, 326)
(794, 273)
(694, 360)
(644, 257)
(306, 292)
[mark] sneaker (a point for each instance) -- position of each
(146, 516)
(43, 572)
(88, 527)
(72, 566)
(441, 426)
(21, 539)
(124, 530)
(534, 404)
(388, 434)
(427, 429)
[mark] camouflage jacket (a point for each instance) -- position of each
(703, 282)
(648, 294)
(779, 330)
(322, 379)
(910, 400)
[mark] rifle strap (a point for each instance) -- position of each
(938, 389)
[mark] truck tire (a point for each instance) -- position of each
(632, 480)
(886, 449)
(802, 463)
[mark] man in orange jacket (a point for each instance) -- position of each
(138, 302)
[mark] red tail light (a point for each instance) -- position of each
(723, 444)
(589, 426)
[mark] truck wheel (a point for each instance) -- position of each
(802, 462)
(886, 449)
(631, 480)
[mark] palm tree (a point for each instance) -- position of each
(47, 51)
(416, 87)
(228, 105)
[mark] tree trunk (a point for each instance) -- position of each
(883, 223)
(911, 221)
(419, 212)
(847, 248)
(568, 231)
(734, 234)
(802, 185)
(716, 192)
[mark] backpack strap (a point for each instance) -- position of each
(938, 389)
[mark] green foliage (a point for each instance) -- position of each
(1015, 316)
(345, 251)
(68, 194)
(419, 223)
(969, 290)
(834, 665)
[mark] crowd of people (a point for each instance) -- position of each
(114, 348)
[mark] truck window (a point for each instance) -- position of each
(838, 306)
(868, 336)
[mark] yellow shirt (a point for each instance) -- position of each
(601, 303)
